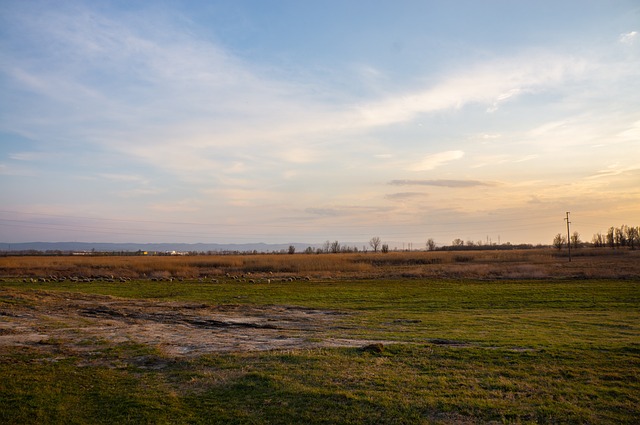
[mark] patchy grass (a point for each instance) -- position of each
(526, 313)
(404, 384)
(45, 390)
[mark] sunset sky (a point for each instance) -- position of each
(305, 121)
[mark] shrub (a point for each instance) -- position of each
(462, 258)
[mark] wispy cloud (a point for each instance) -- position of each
(489, 83)
(326, 212)
(139, 192)
(632, 133)
(614, 170)
(503, 98)
(436, 160)
(28, 156)
(187, 106)
(629, 37)
(142, 91)
(133, 178)
(490, 136)
(440, 183)
(526, 158)
(347, 211)
(404, 196)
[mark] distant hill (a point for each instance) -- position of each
(150, 247)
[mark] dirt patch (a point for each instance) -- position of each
(85, 323)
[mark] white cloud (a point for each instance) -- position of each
(631, 134)
(489, 83)
(490, 160)
(188, 107)
(613, 170)
(488, 136)
(383, 156)
(504, 97)
(436, 160)
(628, 37)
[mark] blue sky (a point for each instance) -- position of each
(296, 121)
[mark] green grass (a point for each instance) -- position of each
(466, 351)
(404, 384)
(39, 390)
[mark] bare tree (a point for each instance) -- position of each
(375, 243)
(335, 247)
(633, 236)
(431, 244)
(292, 249)
(611, 241)
(559, 240)
(326, 246)
(575, 239)
(598, 240)
(621, 236)
(457, 242)
(385, 248)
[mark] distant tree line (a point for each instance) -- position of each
(335, 247)
(460, 245)
(469, 245)
(615, 237)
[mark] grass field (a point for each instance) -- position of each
(466, 350)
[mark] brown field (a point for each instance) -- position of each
(512, 264)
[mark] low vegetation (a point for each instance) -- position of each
(473, 337)
(486, 264)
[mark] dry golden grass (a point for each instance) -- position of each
(514, 264)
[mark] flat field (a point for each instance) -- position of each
(458, 337)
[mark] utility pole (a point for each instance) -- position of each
(568, 236)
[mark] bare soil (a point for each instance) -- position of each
(81, 323)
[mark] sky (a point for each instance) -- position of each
(304, 121)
